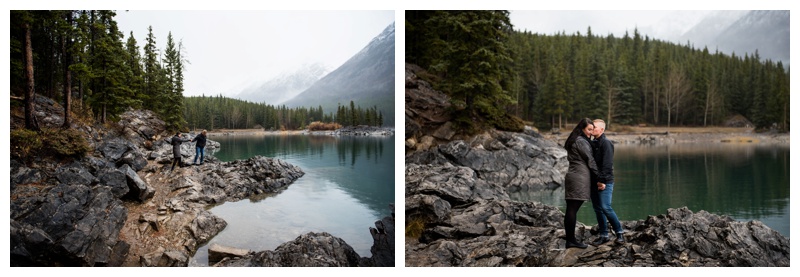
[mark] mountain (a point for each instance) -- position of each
(367, 79)
(744, 32)
(285, 86)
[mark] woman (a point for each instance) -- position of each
(577, 182)
(176, 149)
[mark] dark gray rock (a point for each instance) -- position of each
(205, 226)
(138, 188)
(114, 179)
(113, 149)
(134, 159)
(236, 180)
(515, 161)
(74, 174)
(72, 225)
(382, 243)
(457, 185)
(308, 250)
(21, 174)
(141, 125)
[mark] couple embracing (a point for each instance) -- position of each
(590, 176)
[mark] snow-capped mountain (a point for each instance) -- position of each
(765, 31)
(743, 32)
(285, 86)
(367, 79)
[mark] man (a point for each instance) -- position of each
(199, 147)
(603, 152)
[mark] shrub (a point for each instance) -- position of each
(25, 143)
(65, 142)
(320, 126)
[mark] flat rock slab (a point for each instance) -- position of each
(218, 252)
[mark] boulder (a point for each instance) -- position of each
(115, 179)
(205, 226)
(218, 252)
(138, 188)
(308, 250)
(113, 149)
(134, 159)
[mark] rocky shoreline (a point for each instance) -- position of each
(122, 205)
(460, 214)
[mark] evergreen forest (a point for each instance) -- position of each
(82, 60)
(494, 72)
(219, 112)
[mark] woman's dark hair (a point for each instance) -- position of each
(578, 131)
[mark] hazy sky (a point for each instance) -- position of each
(231, 50)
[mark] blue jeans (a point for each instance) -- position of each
(601, 202)
(199, 151)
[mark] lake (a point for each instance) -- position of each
(347, 186)
(744, 181)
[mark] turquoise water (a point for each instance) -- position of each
(347, 186)
(744, 181)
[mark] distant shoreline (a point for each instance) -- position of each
(683, 135)
(258, 132)
(246, 132)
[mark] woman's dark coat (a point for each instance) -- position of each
(582, 168)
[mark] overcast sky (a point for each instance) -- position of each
(661, 24)
(231, 50)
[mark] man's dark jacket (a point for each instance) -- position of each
(201, 140)
(603, 153)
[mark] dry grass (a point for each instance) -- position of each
(414, 227)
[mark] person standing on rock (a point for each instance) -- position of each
(199, 147)
(577, 182)
(176, 149)
(603, 151)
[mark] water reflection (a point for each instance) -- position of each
(746, 182)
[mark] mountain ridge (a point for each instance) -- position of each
(367, 79)
(285, 86)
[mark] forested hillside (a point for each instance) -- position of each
(553, 80)
(82, 60)
(219, 112)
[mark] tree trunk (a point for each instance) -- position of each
(30, 121)
(67, 75)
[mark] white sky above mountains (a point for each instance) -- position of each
(231, 50)
(661, 23)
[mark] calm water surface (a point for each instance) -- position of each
(745, 182)
(347, 186)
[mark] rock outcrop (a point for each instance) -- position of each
(118, 205)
